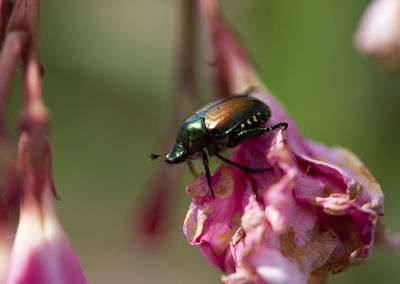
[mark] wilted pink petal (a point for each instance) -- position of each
(255, 260)
(296, 220)
(379, 31)
(213, 240)
(316, 212)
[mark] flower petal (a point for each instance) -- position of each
(210, 223)
(42, 253)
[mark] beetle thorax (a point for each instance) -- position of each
(192, 134)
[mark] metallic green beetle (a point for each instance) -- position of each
(219, 126)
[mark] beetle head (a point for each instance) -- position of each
(177, 155)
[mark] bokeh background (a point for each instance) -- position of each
(108, 84)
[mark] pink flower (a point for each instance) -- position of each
(10, 189)
(379, 31)
(41, 251)
(318, 211)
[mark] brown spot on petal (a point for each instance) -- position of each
(194, 221)
(288, 242)
(259, 190)
(225, 184)
(315, 201)
(355, 191)
(372, 217)
(236, 221)
(358, 255)
(196, 188)
(337, 205)
(382, 236)
(327, 191)
(353, 163)
(315, 255)
(334, 211)
(367, 174)
(285, 156)
(238, 236)
(322, 159)
(342, 267)
(195, 227)
(252, 219)
(225, 239)
(320, 275)
(366, 206)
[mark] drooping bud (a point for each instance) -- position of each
(41, 252)
(379, 31)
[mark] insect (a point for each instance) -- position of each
(218, 126)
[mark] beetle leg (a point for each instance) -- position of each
(191, 168)
(258, 131)
(207, 170)
(243, 168)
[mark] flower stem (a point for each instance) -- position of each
(159, 189)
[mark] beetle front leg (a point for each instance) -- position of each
(243, 168)
(258, 131)
(207, 170)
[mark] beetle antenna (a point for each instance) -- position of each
(156, 156)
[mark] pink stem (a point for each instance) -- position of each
(235, 73)
(153, 215)
(14, 43)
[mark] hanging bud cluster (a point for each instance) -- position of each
(40, 251)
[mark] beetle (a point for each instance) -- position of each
(219, 126)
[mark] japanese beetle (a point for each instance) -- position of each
(218, 126)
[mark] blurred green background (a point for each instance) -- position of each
(108, 82)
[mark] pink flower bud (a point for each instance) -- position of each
(379, 31)
(41, 251)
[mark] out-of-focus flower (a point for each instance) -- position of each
(153, 211)
(10, 189)
(5, 13)
(41, 252)
(379, 31)
(318, 211)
